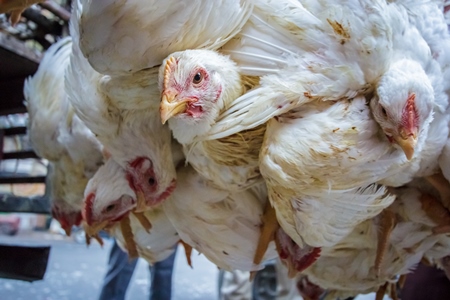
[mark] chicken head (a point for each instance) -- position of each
(403, 105)
(142, 179)
(66, 217)
(108, 197)
(195, 85)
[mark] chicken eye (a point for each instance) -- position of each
(383, 111)
(151, 181)
(197, 78)
(110, 207)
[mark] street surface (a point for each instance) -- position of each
(75, 272)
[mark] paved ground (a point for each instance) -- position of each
(75, 272)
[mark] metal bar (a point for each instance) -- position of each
(47, 25)
(22, 179)
(56, 9)
(15, 131)
(37, 205)
(20, 155)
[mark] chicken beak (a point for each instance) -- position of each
(169, 108)
(93, 229)
(407, 141)
(141, 205)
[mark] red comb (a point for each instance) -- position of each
(88, 207)
(137, 162)
(409, 116)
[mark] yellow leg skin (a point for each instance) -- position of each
(435, 210)
(129, 237)
(143, 220)
(393, 291)
(387, 223)
(381, 291)
(441, 184)
(269, 226)
(402, 280)
(188, 252)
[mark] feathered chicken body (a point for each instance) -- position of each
(306, 51)
(321, 160)
(108, 196)
(222, 225)
(428, 17)
(347, 268)
(307, 54)
(110, 202)
(322, 51)
(120, 37)
(153, 246)
(193, 95)
(58, 135)
(123, 113)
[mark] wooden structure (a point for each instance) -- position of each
(48, 22)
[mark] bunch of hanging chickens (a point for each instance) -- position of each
(315, 131)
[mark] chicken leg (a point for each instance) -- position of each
(128, 236)
(387, 223)
(401, 281)
(381, 291)
(269, 226)
(393, 291)
(437, 213)
(268, 229)
(440, 183)
(143, 220)
(187, 251)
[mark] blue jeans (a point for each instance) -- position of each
(120, 270)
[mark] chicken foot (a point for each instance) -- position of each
(437, 213)
(92, 232)
(268, 228)
(387, 223)
(146, 224)
(128, 236)
(187, 251)
(95, 236)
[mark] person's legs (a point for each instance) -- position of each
(161, 278)
(120, 270)
(286, 287)
(234, 285)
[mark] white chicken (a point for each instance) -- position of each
(58, 135)
(222, 225)
(191, 86)
(326, 52)
(121, 37)
(321, 160)
(123, 112)
(108, 196)
(153, 246)
(109, 203)
(347, 268)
